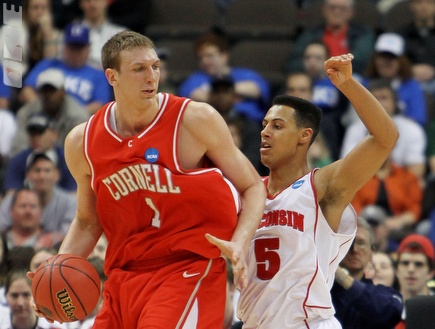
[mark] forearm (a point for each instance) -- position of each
(343, 278)
(80, 239)
(253, 200)
(371, 112)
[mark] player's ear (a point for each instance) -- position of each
(112, 76)
(306, 135)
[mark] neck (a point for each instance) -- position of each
(426, 22)
(357, 275)
(20, 235)
(226, 70)
(411, 293)
(336, 28)
(96, 21)
(25, 323)
(136, 119)
(281, 178)
(45, 196)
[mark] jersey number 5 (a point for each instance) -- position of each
(268, 261)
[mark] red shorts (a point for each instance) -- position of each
(186, 294)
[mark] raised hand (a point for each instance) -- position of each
(339, 68)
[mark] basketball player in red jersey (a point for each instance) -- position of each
(156, 173)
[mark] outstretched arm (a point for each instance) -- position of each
(337, 183)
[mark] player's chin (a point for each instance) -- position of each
(265, 155)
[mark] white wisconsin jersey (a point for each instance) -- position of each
(292, 261)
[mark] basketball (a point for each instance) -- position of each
(66, 288)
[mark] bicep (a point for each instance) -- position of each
(219, 147)
(230, 160)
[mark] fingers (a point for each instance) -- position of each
(240, 271)
(30, 275)
(342, 58)
(234, 253)
(36, 309)
(211, 239)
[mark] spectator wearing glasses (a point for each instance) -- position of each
(358, 302)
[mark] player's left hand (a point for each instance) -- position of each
(234, 252)
(339, 68)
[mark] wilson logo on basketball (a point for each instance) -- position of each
(68, 308)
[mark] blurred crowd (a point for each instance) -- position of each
(63, 84)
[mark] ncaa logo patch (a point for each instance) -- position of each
(151, 155)
(297, 184)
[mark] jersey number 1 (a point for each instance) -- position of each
(156, 218)
(268, 261)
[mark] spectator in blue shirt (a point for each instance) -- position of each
(213, 52)
(88, 85)
(43, 137)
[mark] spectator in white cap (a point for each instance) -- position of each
(43, 136)
(390, 62)
(62, 109)
(86, 84)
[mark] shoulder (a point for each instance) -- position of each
(75, 136)
(404, 122)
(199, 111)
(7, 117)
(114, 28)
(91, 72)
(48, 63)
(202, 119)
(241, 73)
(360, 30)
(21, 156)
(74, 109)
(410, 83)
(42, 65)
(196, 77)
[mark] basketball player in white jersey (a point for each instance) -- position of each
(308, 224)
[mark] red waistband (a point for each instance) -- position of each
(156, 263)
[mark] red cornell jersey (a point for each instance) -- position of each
(149, 207)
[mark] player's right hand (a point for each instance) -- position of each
(233, 251)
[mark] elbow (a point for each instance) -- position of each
(393, 136)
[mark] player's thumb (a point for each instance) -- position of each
(221, 244)
(212, 239)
